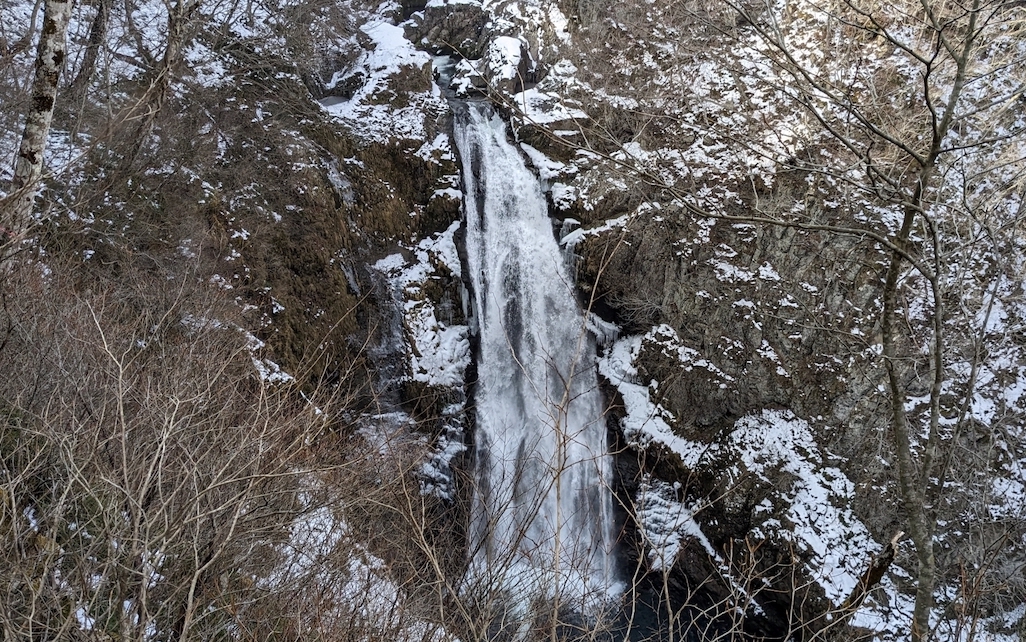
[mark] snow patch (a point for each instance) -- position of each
(665, 523)
(541, 108)
(352, 585)
(815, 511)
(370, 113)
(817, 519)
(645, 421)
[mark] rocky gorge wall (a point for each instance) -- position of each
(745, 385)
(676, 277)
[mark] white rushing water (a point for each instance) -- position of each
(542, 518)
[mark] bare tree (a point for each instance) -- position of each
(148, 476)
(79, 86)
(903, 159)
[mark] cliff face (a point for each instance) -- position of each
(245, 178)
(737, 213)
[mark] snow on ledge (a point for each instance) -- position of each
(503, 58)
(368, 113)
(542, 108)
(646, 421)
(816, 514)
(813, 513)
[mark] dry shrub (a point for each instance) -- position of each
(151, 484)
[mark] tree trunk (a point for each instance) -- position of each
(179, 23)
(97, 35)
(28, 166)
(920, 526)
(878, 566)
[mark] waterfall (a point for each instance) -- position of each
(541, 518)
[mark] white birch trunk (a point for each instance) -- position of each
(28, 166)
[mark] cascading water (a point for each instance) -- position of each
(542, 519)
